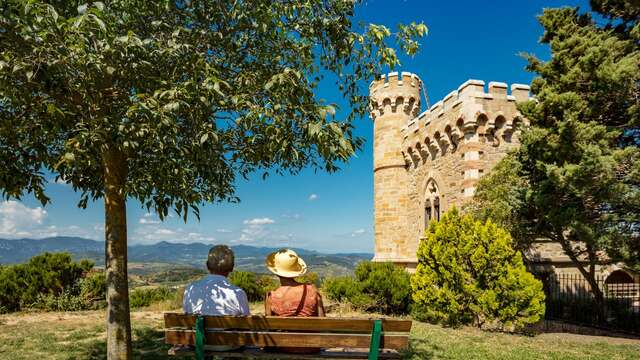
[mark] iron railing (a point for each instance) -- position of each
(570, 299)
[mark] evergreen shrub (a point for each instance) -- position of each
(376, 287)
(469, 273)
(51, 281)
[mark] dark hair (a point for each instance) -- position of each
(220, 259)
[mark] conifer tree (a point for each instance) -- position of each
(469, 272)
(576, 177)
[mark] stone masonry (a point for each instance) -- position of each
(426, 162)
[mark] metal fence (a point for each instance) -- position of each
(570, 299)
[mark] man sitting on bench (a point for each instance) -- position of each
(214, 295)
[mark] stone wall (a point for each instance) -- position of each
(426, 163)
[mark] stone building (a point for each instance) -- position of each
(427, 161)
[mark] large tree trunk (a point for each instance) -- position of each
(118, 321)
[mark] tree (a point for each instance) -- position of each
(576, 177)
(469, 272)
(166, 102)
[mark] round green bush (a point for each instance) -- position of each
(376, 287)
(49, 281)
(469, 272)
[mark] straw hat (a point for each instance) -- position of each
(286, 263)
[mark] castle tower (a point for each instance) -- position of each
(395, 100)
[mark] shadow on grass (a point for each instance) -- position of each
(147, 342)
(420, 349)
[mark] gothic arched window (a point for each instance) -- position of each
(432, 203)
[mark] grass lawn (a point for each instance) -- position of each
(81, 335)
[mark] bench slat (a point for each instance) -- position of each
(284, 339)
(354, 325)
(260, 354)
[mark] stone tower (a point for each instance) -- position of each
(424, 163)
(395, 100)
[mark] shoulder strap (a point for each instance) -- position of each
(302, 300)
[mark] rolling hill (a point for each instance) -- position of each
(248, 258)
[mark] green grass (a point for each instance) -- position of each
(81, 336)
(435, 342)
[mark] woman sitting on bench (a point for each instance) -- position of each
(292, 298)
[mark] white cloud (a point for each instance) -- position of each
(223, 231)
(358, 232)
(259, 221)
(151, 233)
(18, 220)
(144, 220)
(255, 230)
(148, 218)
(313, 197)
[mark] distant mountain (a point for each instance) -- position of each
(247, 257)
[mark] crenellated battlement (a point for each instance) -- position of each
(395, 92)
(424, 162)
(465, 112)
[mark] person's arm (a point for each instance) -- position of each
(321, 312)
(186, 301)
(244, 304)
(267, 304)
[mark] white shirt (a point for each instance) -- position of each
(214, 295)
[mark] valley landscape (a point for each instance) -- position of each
(167, 258)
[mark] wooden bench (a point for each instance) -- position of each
(260, 336)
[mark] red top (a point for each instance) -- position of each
(298, 300)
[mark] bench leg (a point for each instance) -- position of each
(374, 348)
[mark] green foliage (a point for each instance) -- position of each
(377, 287)
(181, 275)
(309, 278)
(347, 289)
(10, 289)
(139, 298)
(581, 158)
(502, 188)
(51, 282)
(468, 272)
(256, 287)
(575, 179)
(185, 95)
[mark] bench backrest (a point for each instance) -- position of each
(286, 331)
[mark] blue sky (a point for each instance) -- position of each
(330, 213)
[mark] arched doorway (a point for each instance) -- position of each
(432, 203)
(620, 284)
